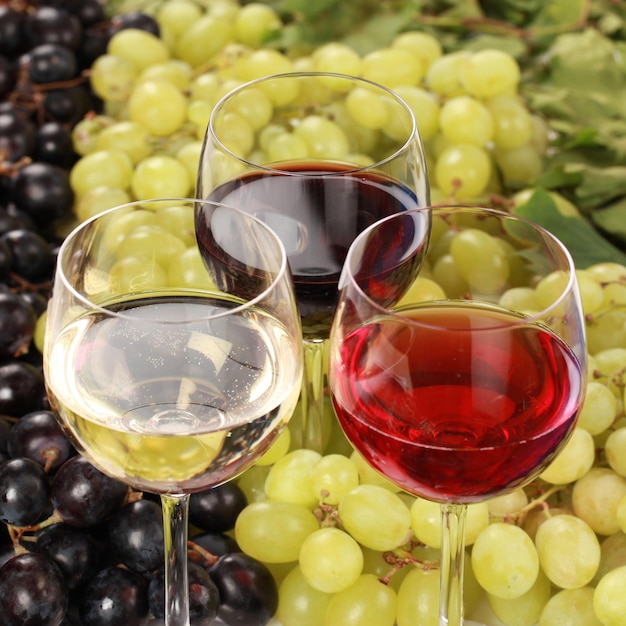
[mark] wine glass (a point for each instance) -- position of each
(168, 380)
(468, 385)
(318, 157)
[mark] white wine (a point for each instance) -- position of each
(168, 395)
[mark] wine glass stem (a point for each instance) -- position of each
(452, 562)
(175, 517)
(313, 392)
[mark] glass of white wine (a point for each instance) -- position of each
(172, 381)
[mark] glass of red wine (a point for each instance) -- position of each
(318, 157)
(163, 380)
(467, 385)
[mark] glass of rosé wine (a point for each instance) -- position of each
(319, 157)
(469, 384)
(172, 381)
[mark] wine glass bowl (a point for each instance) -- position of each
(166, 380)
(318, 157)
(469, 384)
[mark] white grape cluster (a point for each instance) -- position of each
(159, 92)
(349, 548)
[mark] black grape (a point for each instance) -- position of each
(43, 191)
(51, 63)
(32, 591)
(21, 388)
(216, 509)
(53, 25)
(17, 136)
(11, 31)
(17, 324)
(24, 492)
(134, 19)
(31, 254)
(114, 597)
(216, 544)
(53, 144)
(203, 596)
(83, 495)
(248, 591)
(78, 554)
(136, 535)
(39, 437)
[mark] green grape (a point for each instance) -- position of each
(448, 276)
(612, 554)
(611, 363)
(591, 291)
(99, 199)
(130, 137)
(608, 271)
(332, 477)
(277, 450)
(422, 289)
(463, 171)
(426, 521)
(508, 504)
(39, 335)
(599, 408)
(173, 71)
(368, 475)
(519, 166)
(112, 77)
(595, 498)
(505, 560)
(338, 58)
(204, 87)
(392, 67)
(550, 288)
(520, 299)
(222, 167)
(489, 73)
(362, 140)
(609, 600)
(423, 46)
(375, 517)
(325, 138)
(444, 74)
(120, 224)
(570, 607)
(131, 274)
(480, 259)
(158, 106)
(367, 602)
(109, 168)
(178, 15)
(252, 482)
(375, 562)
(573, 461)
(615, 450)
(367, 108)
(512, 123)
(198, 113)
(605, 331)
(189, 155)
(620, 513)
(188, 270)
(425, 107)
(273, 532)
(289, 479)
(465, 120)
(236, 134)
(330, 560)
(153, 242)
(525, 609)
(85, 133)
(266, 62)
(139, 47)
(225, 9)
(299, 604)
(203, 39)
(179, 219)
(254, 22)
(568, 549)
(254, 105)
(160, 176)
(287, 147)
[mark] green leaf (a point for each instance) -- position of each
(612, 220)
(585, 243)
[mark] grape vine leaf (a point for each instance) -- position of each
(584, 242)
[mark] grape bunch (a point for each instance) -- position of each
(158, 92)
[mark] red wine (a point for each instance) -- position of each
(464, 404)
(317, 209)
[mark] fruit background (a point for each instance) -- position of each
(520, 104)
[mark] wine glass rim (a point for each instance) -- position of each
(411, 138)
(348, 275)
(280, 274)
